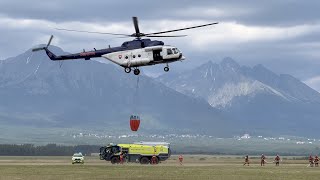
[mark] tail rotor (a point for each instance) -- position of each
(43, 48)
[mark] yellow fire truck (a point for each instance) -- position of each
(138, 152)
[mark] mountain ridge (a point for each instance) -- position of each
(249, 97)
(222, 99)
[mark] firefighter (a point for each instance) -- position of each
(316, 161)
(277, 160)
(180, 159)
(263, 160)
(310, 161)
(121, 158)
(246, 160)
(154, 159)
(125, 157)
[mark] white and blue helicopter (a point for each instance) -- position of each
(131, 54)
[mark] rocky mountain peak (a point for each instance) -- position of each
(228, 62)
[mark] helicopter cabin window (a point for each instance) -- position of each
(169, 51)
(139, 55)
(134, 56)
(126, 57)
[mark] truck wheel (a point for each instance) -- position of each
(115, 160)
(144, 160)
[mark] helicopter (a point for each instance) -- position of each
(131, 54)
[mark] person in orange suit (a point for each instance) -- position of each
(316, 161)
(180, 159)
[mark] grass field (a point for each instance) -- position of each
(194, 167)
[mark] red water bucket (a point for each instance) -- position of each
(134, 122)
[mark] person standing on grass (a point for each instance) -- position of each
(316, 161)
(121, 158)
(263, 160)
(277, 160)
(180, 159)
(310, 161)
(246, 160)
(154, 159)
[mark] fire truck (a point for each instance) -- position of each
(140, 152)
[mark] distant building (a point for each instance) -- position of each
(246, 136)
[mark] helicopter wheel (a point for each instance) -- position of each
(166, 69)
(127, 70)
(136, 72)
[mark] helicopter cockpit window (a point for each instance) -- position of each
(169, 51)
(175, 50)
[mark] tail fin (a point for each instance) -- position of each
(48, 52)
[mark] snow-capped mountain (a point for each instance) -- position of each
(220, 84)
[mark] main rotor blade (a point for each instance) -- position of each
(165, 36)
(38, 49)
(182, 29)
(92, 32)
(136, 24)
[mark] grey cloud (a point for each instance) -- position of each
(268, 13)
(94, 10)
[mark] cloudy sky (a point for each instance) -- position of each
(282, 35)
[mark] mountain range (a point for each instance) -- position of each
(220, 99)
(254, 99)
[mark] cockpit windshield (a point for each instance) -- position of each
(77, 155)
(175, 50)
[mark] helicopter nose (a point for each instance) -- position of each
(181, 57)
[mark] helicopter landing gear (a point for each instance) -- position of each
(136, 71)
(127, 70)
(166, 69)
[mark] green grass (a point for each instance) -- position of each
(214, 167)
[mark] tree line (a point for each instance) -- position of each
(46, 150)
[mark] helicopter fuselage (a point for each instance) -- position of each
(131, 54)
(145, 56)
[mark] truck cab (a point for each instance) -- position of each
(110, 153)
